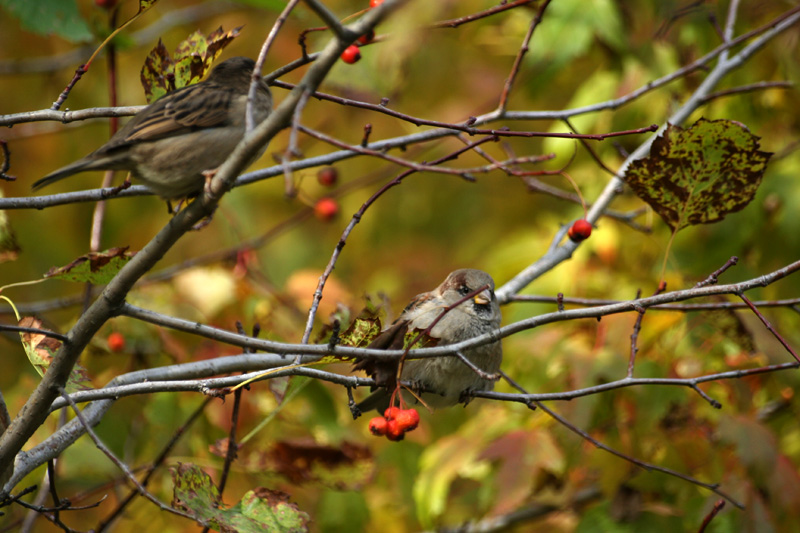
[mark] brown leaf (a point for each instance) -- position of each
(699, 174)
(302, 461)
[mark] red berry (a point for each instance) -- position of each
(105, 4)
(367, 37)
(378, 426)
(407, 419)
(394, 432)
(391, 413)
(580, 230)
(327, 176)
(326, 209)
(375, 3)
(351, 54)
(116, 342)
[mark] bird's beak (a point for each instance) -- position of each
(482, 298)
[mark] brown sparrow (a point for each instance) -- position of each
(445, 379)
(170, 144)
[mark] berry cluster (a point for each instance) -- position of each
(394, 423)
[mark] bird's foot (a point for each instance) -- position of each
(119, 188)
(209, 175)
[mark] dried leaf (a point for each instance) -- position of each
(347, 467)
(41, 349)
(158, 74)
(700, 174)
(188, 65)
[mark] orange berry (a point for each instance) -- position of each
(116, 342)
(394, 432)
(580, 230)
(378, 426)
(407, 419)
(326, 209)
(391, 413)
(375, 3)
(351, 54)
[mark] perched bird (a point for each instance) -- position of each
(445, 378)
(171, 143)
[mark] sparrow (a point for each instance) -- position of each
(445, 379)
(172, 144)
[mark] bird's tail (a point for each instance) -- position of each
(69, 170)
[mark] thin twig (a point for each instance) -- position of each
(168, 447)
(122, 466)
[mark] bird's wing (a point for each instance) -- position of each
(188, 109)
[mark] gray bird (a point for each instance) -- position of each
(171, 143)
(447, 378)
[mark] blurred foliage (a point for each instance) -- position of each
(490, 458)
(50, 17)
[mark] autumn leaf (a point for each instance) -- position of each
(700, 174)
(95, 267)
(41, 349)
(158, 73)
(417, 338)
(347, 466)
(259, 510)
(361, 332)
(162, 73)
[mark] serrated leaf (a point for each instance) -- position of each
(259, 510)
(193, 57)
(271, 510)
(41, 349)
(95, 267)
(194, 491)
(361, 332)
(217, 40)
(700, 174)
(158, 74)
(48, 17)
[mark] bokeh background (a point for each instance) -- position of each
(490, 458)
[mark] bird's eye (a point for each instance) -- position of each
(464, 290)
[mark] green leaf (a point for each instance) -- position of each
(700, 174)
(259, 510)
(269, 510)
(95, 267)
(361, 332)
(417, 338)
(194, 491)
(48, 17)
